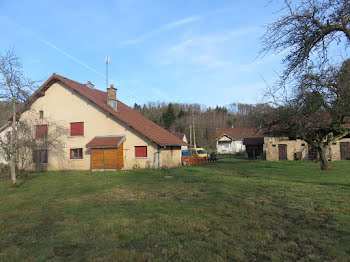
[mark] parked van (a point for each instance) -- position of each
(199, 152)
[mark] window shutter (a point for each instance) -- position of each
(71, 154)
(41, 131)
(140, 151)
(77, 129)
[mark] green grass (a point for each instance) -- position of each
(235, 210)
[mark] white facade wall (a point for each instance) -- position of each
(226, 145)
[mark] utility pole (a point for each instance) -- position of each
(194, 132)
(190, 136)
(107, 62)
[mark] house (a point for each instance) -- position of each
(284, 148)
(103, 132)
(183, 137)
(230, 140)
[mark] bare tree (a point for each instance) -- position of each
(318, 112)
(306, 31)
(14, 88)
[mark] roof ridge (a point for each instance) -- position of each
(126, 114)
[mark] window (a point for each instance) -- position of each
(140, 151)
(240, 132)
(40, 156)
(77, 129)
(41, 131)
(76, 153)
(41, 114)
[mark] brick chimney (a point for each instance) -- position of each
(112, 97)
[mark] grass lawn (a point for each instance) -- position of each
(234, 210)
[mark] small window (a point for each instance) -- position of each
(140, 151)
(77, 129)
(76, 153)
(240, 132)
(40, 131)
(40, 156)
(273, 145)
(303, 144)
(334, 143)
(41, 114)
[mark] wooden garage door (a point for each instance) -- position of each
(282, 152)
(345, 151)
(107, 158)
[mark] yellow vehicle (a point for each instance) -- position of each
(199, 152)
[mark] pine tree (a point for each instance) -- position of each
(168, 117)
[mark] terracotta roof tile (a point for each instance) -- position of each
(124, 113)
(106, 141)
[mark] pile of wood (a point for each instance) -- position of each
(193, 160)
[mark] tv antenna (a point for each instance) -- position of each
(107, 62)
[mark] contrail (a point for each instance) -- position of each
(35, 35)
(72, 57)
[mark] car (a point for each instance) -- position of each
(199, 152)
(186, 153)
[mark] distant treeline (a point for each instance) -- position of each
(179, 117)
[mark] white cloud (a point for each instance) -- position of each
(160, 93)
(207, 51)
(163, 28)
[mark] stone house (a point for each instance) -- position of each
(283, 148)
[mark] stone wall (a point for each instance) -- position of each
(297, 146)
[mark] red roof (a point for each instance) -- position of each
(124, 113)
(105, 141)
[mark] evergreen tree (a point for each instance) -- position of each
(181, 113)
(168, 117)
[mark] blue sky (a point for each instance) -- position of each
(174, 51)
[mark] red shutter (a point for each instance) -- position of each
(140, 151)
(77, 129)
(41, 131)
(71, 153)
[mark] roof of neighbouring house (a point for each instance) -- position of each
(124, 113)
(105, 141)
(253, 141)
(236, 133)
(178, 134)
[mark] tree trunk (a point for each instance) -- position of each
(12, 161)
(323, 158)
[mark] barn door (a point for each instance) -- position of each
(282, 152)
(312, 153)
(107, 158)
(344, 150)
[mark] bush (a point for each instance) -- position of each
(4, 169)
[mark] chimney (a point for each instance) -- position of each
(90, 85)
(112, 97)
